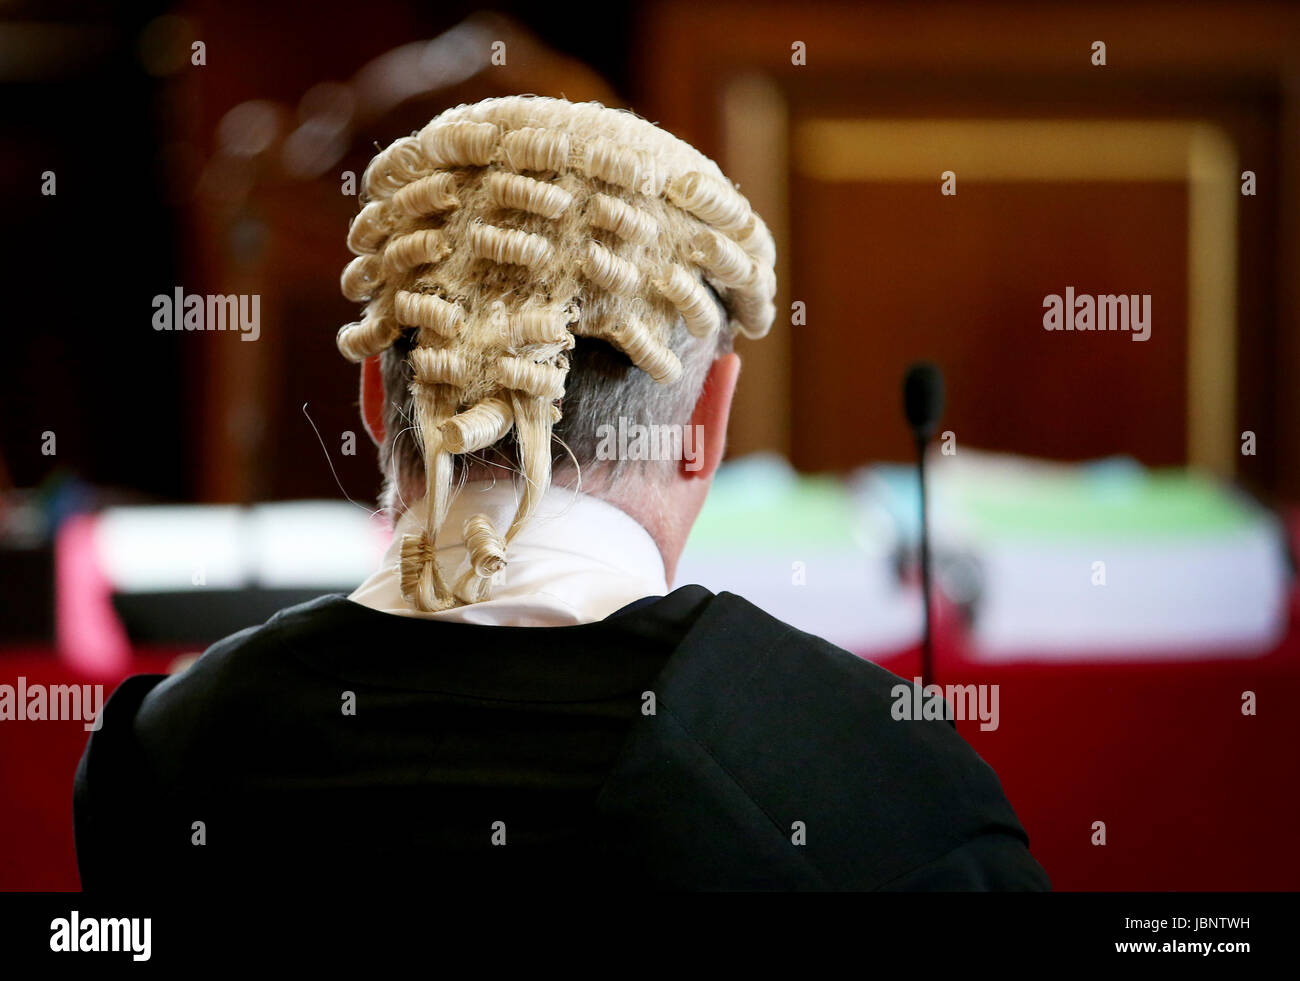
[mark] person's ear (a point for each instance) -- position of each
(372, 399)
(708, 437)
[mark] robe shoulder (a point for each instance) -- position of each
(773, 761)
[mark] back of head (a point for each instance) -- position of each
(531, 268)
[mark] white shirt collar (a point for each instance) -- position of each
(577, 560)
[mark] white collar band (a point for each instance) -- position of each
(577, 560)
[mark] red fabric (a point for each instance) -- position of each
(1194, 795)
(37, 764)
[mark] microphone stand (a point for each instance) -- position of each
(927, 641)
(923, 407)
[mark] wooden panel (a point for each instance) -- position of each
(894, 272)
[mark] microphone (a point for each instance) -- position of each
(923, 398)
(922, 407)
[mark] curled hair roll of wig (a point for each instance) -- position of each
(493, 237)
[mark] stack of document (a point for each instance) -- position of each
(1107, 559)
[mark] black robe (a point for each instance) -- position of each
(687, 742)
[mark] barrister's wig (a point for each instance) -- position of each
(499, 232)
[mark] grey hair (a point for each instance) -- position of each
(602, 388)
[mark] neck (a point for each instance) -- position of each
(665, 509)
